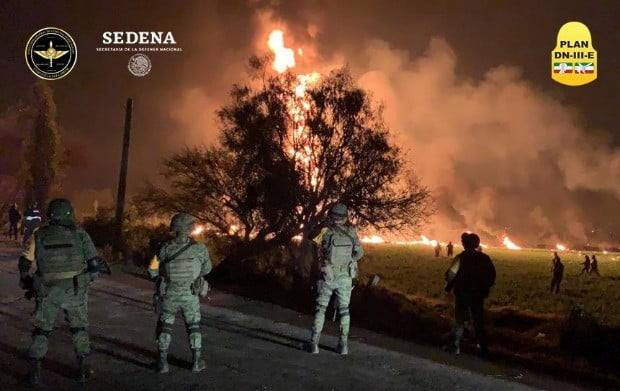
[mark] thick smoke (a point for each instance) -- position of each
(500, 156)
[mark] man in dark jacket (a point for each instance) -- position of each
(557, 273)
(14, 217)
(471, 276)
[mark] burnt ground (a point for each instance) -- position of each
(248, 345)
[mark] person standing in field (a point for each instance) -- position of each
(586, 266)
(450, 249)
(437, 250)
(471, 276)
(557, 273)
(594, 266)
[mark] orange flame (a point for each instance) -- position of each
(510, 244)
(284, 57)
(372, 239)
(299, 144)
(198, 230)
(560, 247)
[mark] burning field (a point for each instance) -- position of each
(523, 278)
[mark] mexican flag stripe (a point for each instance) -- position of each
(584, 67)
(557, 67)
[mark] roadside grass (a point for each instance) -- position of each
(523, 279)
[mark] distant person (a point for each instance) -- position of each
(14, 217)
(471, 276)
(32, 220)
(594, 266)
(437, 250)
(557, 273)
(450, 249)
(586, 266)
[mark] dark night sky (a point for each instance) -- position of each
(216, 36)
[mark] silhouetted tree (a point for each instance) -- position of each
(284, 158)
(42, 146)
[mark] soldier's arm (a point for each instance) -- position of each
(27, 257)
(154, 267)
(206, 261)
(91, 258)
(358, 251)
(156, 262)
(452, 272)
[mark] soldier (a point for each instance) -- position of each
(557, 272)
(67, 263)
(14, 217)
(586, 266)
(180, 267)
(594, 266)
(32, 221)
(341, 250)
(450, 249)
(471, 275)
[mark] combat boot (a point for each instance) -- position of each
(313, 345)
(199, 363)
(162, 364)
(85, 371)
(342, 347)
(34, 373)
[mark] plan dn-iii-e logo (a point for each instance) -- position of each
(573, 61)
(51, 53)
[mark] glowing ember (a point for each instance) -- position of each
(233, 229)
(198, 230)
(372, 239)
(560, 247)
(510, 244)
(284, 57)
(297, 238)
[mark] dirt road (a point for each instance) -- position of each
(249, 345)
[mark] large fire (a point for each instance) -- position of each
(372, 239)
(198, 230)
(510, 244)
(560, 247)
(299, 143)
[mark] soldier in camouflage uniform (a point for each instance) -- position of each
(180, 266)
(67, 263)
(341, 249)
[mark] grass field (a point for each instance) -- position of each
(523, 279)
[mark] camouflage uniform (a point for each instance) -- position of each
(66, 264)
(341, 250)
(178, 275)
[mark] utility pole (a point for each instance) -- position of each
(122, 181)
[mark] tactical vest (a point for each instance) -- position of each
(182, 270)
(58, 252)
(340, 251)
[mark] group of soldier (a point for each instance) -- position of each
(449, 249)
(32, 219)
(67, 263)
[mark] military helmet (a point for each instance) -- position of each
(60, 209)
(182, 222)
(339, 211)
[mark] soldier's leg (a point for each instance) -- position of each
(343, 295)
(191, 312)
(322, 301)
(44, 319)
(76, 312)
(164, 331)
